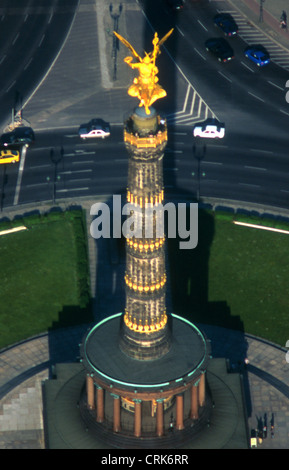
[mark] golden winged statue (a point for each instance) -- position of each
(145, 86)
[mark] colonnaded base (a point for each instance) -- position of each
(112, 401)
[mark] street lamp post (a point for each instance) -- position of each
(199, 157)
(261, 11)
(115, 17)
(55, 159)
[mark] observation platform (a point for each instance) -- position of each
(187, 357)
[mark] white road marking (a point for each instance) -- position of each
(201, 24)
(274, 84)
(227, 78)
(255, 96)
(247, 67)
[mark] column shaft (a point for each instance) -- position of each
(202, 390)
(137, 419)
(194, 402)
(90, 392)
(179, 412)
(116, 414)
(160, 418)
(100, 405)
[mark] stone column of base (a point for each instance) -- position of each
(90, 392)
(160, 417)
(202, 390)
(179, 412)
(194, 402)
(99, 405)
(137, 418)
(116, 413)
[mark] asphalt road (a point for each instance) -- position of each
(250, 164)
(31, 35)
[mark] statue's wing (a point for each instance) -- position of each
(157, 50)
(127, 44)
(165, 37)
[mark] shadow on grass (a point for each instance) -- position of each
(189, 297)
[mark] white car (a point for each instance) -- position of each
(96, 128)
(211, 128)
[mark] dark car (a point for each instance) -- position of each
(220, 48)
(20, 135)
(175, 4)
(226, 23)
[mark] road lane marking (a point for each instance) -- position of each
(71, 172)
(41, 40)
(250, 185)
(217, 145)
(227, 78)
(12, 84)
(284, 112)
(255, 168)
(71, 189)
(173, 151)
(78, 153)
(15, 39)
(247, 67)
(77, 180)
(255, 96)
(34, 185)
(36, 167)
(201, 24)
(269, 152)
(28, 63)
(201, 55)
(180, 31)
(277, 86)
(178, 133)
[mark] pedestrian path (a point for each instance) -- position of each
(266, 382)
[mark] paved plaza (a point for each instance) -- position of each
(23, 367)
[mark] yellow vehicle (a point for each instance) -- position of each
(9, 156)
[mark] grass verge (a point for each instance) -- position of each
(44, 275)
(236, 277)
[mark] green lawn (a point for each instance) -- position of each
(44, 276)
(237, 277)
